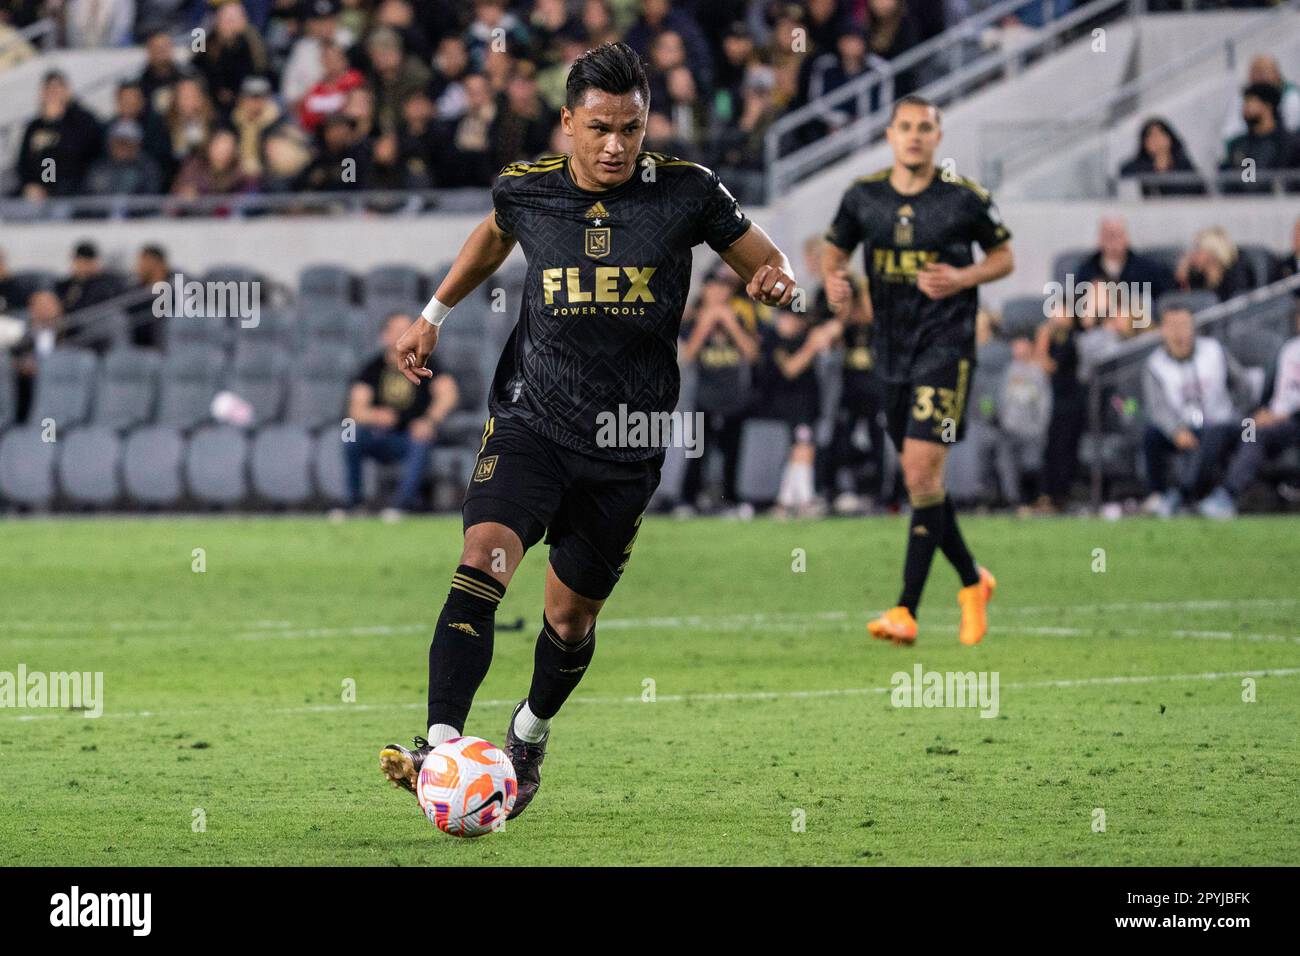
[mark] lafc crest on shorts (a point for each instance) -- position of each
(486, 468)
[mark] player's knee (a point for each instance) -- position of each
(923, 476)
(492, 549)
(571, 623)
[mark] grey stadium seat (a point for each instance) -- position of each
(258, 375)
(1068, 262)
(8, 400)
(275, 326)
(27, 466)
(183, 331)
(88, 465)
(215, 465)
(328, 470)
(65, 382)
(393, 283)
(1197, 301)
(235, 273)
(318, 386)
(280, 462)
(151, 465)
(326, 283)
(1022, 315)
(764, 447)
(327, 321)
(127, 388)
(190, 377)
(1257, 348)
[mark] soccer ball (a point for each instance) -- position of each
(467, 786)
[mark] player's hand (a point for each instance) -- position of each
(839, 291)
(771, 285)
(938, 280)
(1185, 439)
(414, 348)
(421, 429)
(824, 335)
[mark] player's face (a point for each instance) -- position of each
(914, 135)
(607, 131)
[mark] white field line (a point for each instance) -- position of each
(721, 697)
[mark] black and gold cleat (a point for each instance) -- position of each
(402, 766)
(527, 760)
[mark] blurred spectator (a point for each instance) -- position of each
(598, 26)
(722, 343)
(133, 105)
(1024, 413)
(1056, 346)
(450, 67)
(844, 62)
(890, 33)
(255, 114)
(470, 162)
(191, 119)
(493, 23)
(1213, 264)
(234, 52)
(214, 169)
(360, 109)
(396, 420)
(742, 145)
(729, 75)
(127, 170)
(395, 75)
(1115, 261)
(286, 153)
(1189, 390)
(1288, 263)
(1277, 423)
(160, 74)
(1264, 69)
(422, 148)
(399, 15)
(160, 16)
(658, 16)
(522, 127)
(1160, 150)
(673, 93)
(306, 66)
(98, 23)
(88, 284)
(151, 267)
(59, 145)
(1265, 146)
(340, 165)
(45, 330)
(790, 392)
(11, 289)
(824, 22)
(330, 92)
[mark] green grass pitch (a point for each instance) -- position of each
(226, 738)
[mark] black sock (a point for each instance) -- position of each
(557, 668)
(923, 537)
(461, 650)
(954, 547)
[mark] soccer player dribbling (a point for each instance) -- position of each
(916, 227)
(607, 232)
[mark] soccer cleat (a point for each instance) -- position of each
(896, 624)
(974, 602)
(527, 760)
(402, 766)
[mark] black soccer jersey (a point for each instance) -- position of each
(913, 333)
(607, 280)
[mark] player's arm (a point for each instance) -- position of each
(938, 280)
(363, 410)
(765, 270)
(481, 255)
(835, 274)
(444, 395)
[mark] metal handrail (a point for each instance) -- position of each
(1043, 139)
(783, 170)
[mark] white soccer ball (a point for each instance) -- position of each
(467, 786)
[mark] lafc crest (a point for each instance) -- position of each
(597, 241)
(903, 225)
(486, 468)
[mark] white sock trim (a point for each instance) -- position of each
(529, 727)
(441, 733)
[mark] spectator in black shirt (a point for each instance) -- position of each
(158, 79)
(1214, 264)
(1265, 146)
(132, 104)
(88, 284)
(342, 163)
(396, 421)
(858, 417)
(1160, 150)
(1115, 261)
(151, 267)
(1057, 350)
(59, 144)
(722, 343)
(127, 170)
(234, 52)
(522, 128)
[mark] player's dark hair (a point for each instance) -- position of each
(915, 99)
(611, 68)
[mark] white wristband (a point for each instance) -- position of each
(435, 312)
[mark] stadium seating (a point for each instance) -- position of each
(127, 387)
(151, 465)
(8, 400)
(259, 374)
(764, 447)
(216, 459)
(27, 466)
(191, 376)
(89, 459)
(318, 385)
(280, 464)
(65, 382)
(326, 283)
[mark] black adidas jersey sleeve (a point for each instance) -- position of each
(989, 230)
(721, 221)
(501, 204)
(845, 231)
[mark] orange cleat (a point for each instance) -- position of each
(896, 624)
(974, 602)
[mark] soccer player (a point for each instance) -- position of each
(916, 225)
(607, 232)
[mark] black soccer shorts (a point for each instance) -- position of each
(589, 508)
(931, 407)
